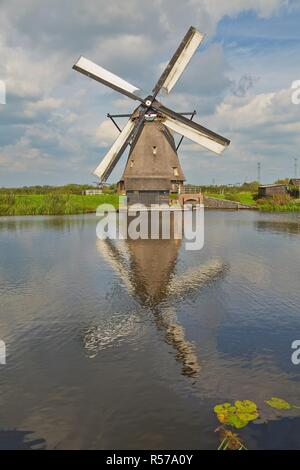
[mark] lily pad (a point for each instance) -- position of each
(235, 421)
(237, 415)
(246, 410)
(279, 403)
(223, 408)
(224, 412)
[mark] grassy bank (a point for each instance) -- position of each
(52, 204)
(276, 204)
(244, 197)
(279, 203)
(293, 207)
(67, 200)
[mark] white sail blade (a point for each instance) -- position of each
(114, 255)
(89, 68)
(200, 137)
(196, 278)
(179, 61)
(110, 160)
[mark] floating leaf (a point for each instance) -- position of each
(235, 421)
(246, 405)
(246, 410)
(223, 418)
(238, 415)
(224, 412)
(278, 403)
(223, 408)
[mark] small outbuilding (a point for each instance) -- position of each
(270, 190)
(294, 187)
(294, 182)
(92, 192)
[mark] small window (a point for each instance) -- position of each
(131, 163)
(154, 149)
(175, 171)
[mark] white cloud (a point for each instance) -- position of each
(206, 14)
(257, 110)
(132, 48)
(28, 74)
(106, 133)
(45, 104)
(19, 157)
(217, 9)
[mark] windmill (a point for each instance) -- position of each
(152, 170)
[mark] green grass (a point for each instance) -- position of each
(215, 195)
(244, 197)
(53, 204)
(293, 207)
(66, 189)
(247, 197)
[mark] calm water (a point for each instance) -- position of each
(131, 345)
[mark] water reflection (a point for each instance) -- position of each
(290, 227)
(19, 440)
(146, 269)
(115, 328)
(135, 307)
(55, 223)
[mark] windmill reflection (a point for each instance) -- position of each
(146, 269)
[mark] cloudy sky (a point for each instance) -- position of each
(54, 128)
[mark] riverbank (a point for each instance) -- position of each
(53, 204)
(68, 204)
(293, 207)
(249, 199)
(243, 197)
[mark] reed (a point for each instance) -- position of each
(271, 207)
(52, 203)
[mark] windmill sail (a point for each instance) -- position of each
(179, 61)
(201, 136)
(89, 68)
(191, 129)
(112, 157)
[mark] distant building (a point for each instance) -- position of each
(295, 187)
(294, 182)
(92, 192)
(269, 190)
